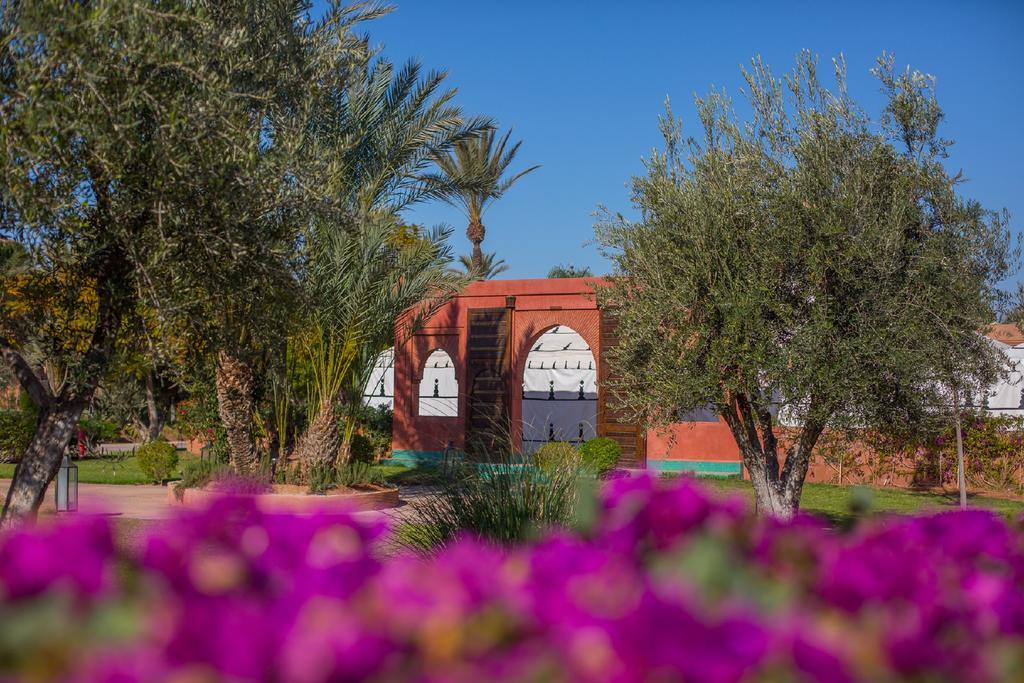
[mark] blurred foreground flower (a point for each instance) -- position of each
(668, 583)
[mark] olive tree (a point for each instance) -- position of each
(802, 268)
(148, 152)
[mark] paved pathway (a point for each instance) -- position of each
(148, 502)
(140, 501)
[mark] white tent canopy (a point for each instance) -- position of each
(1006, 396)
(380, 387)
(439, 390)
(559, 390)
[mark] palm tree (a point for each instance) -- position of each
(384, 128)
(475, 168)
(486, 270)
(363, 280)
(365, 267)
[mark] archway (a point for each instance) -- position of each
(438, 390)
(559, 390)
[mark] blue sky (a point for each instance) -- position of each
(583, 82)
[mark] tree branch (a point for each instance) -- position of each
(29, 381)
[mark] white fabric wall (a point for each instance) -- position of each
(439, 391)
(1004, 397)
(380, 387)
(556, 366)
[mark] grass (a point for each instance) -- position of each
(834, 502)
(838, 502)
(110, 470)
(403, 475)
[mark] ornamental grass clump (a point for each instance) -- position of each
(665, 582)
(503, 502)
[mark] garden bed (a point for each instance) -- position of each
(296, 499)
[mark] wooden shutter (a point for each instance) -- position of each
(489, 359)
(611, 421)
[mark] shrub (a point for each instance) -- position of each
(16, 430)
(358, 475)
(355, 474)
(556, 454)
(362, 449)
(600, 454)
(321, 478)
(196, 474)
(99, 430)
(157, 460)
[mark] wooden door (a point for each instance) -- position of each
(611, 421)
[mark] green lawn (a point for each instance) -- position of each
(109, 470)
(837, 502)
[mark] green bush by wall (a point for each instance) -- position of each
(600, 454)
(157, 459)
(555, 454)
(362, 449)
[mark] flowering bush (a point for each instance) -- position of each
(665, 583)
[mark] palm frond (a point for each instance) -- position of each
(489, 268)
(475, 171)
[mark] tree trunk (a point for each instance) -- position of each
(961, 474)
(475, 232)
(41, 459)
(319, 444)
(236, 406)
(776, 491)
(154, 416)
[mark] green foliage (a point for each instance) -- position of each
(504, 503)
(198, 473)
(600, 454)
(376, 423)
(809, 259)
(157, 459)
(99, 430)
(569, 270)
(556, 454)
(488, 268)
(16, 430)
(323, 478)
(363, 450)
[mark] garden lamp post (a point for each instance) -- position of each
(66, 491)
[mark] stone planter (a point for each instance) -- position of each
(294, 499)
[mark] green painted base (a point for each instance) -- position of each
(710, 467)
(413, 458)
(720, 468)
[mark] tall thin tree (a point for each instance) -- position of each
(476, 168)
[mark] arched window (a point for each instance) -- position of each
(559, 390)
(380, 386)
(439, 390)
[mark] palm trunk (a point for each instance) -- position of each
(236, 406)
(41, 459)
(475, 232)
(319, 444)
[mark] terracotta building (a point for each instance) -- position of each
(529, 354)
